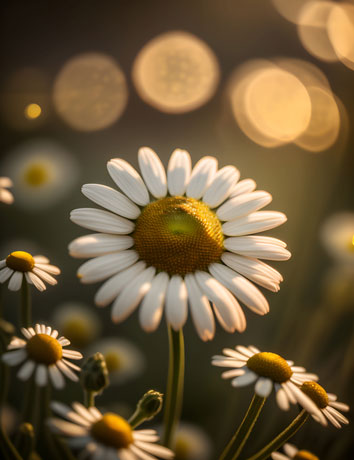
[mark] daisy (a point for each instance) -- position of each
(337, 236)
(292, 452)
(5, 195)
(105, 437)
(268, 371)
(165, 242)
(326, 402)
(21, 265)
(191, 443)
(43, 354)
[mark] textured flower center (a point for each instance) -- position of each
(36, 175)
(113, 431)
(20, 261)
(317, 393)
(270, 365)
(178, 235)
(113, 361)
(44, 349)
(305, 455)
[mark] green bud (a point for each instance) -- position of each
(26, 440)
(148, 406)
(94, 374)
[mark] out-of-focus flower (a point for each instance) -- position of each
(192, 242)
(292, 452)
(21, 265)
(43, 354)
(326, 402)
(191, 443)
(338, 288)
(8, 418)
(123, 359)
(337, 236)
(107, 436)
(5, 195)
(268, 370)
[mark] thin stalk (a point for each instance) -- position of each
(242, 433)
(282, 437)
(26, 305)
(175, 382)
(89, 397)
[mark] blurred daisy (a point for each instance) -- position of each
(191, 443)
(337, 236)
(326, 402)
(268, 370)
(5, 195)
(123, 359)
(77, 322)
(107, 436)
(293, 452)
(190, 242)
(21, 265)
(42, 172)
(43, 354)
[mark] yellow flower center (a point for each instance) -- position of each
(32, 111)
(113, 431)
(178, 235)
(36, 175)
(78, 330)
(44, 349)
(270, 365)
(20, 261)
(317, 393)
(305, 455)
(113, 361)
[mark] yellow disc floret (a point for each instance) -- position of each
(36, 175)
(270, 365)
(113, 431)
(178, 235)
(317, 393)
(20, 261)
(44, 349)
(305, 455)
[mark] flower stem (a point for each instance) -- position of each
(26, 305)
(282, 437)
(175, 382)
(89, 398)
(242, 433)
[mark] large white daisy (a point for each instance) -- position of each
(268, 370)
(105, 437)
(185, 238)
(44, 354)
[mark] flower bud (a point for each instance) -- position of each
(148, 406)
(94, 374)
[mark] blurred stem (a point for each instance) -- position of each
(175, 382)
(26, 304)
(239, 439)
(89, 397)
(282, 437)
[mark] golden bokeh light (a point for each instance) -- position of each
(176, 72)
(90, 92)
(340, 28)
(32, 111)
(289, 9)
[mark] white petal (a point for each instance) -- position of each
(155, 449)
(330, 417)
(72, 354)
(178, 172)
(12, 358)
(263, 387)
(102, 267)
(290, 449)
(202, 175)
(17, 343)
(244, 380)
(245, 350)
(282, 399)
(153, 172)
(112, 287)
(253, 223)
(68, 372)
(15, 281)
(128, 180)
(26, 370)
(5, 274)
(340, 417)
(221, 186)
(244, 186)
(278, 456)
(176, 302)
(221, 361)
(234, 354)
(339, 405)
(232, 373)
(41, 376)
(66, 428)
(2, 263)
(243, 289)
(255, 246)
(132, 294)
(5, 182)
(98, 244)
(44, 275)
(99, 220)
(6, 196)
(241, 205)
(201, 311)
(139, 454)
(64, 341)
(56, 377)
(52, 269)
(39, 259)
(151, 308)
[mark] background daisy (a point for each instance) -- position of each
(5, 195)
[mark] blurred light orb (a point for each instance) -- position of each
(340, 27)
(42, 172)
(338, 288)
(337, 235)
(32, 111)
(191, 443)
(289, 9)
(176, 72)
(90, 92)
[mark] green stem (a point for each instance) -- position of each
(242, 433)
(175, 381)
(89, 398)
(26, 305)
(282, 437)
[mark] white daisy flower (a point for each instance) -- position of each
(165, 242)
(268, 370)
(326, 402)
(123, 359)
(337, 236)
(105, 437)
(292, 452)
(43, 354)
(21, 265)
(191, 443)
(5, 195)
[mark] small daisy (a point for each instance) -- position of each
(43, 354)
(268, 370)
(337, 236)
(105, 437)
(21, 265)
(5, 195)
(294, 453)
(326, 402)
(191, 443)
(189, 237)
